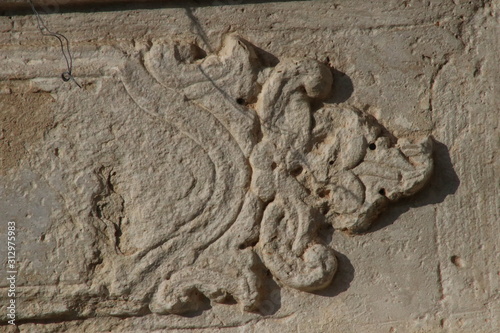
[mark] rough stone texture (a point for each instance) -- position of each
(254, 167)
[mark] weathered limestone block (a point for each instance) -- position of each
(302, 176)
(215, 172)
(251, 147)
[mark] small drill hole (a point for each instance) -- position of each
(240, 101)
(273, 165)
(296, 171)
(382, 191)
(331, 162)
(372, 146)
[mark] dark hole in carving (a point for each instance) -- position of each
(56, 151)
(331, 162)
(325, 209)
(296, 171)
(273, 165)
(322, 193)
(457, 261)
(372, 146)
(118, 235)
(382, 191)
(240, 101)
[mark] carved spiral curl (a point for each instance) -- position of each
(288, 252)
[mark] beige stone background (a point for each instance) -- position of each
(431, 263)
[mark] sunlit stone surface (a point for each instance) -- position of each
(310, 166)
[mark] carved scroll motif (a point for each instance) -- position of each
(274, 167)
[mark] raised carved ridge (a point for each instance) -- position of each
(257, 173)
(280, 170)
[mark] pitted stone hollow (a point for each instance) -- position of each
(283, 169)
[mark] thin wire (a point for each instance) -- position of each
(63, 41)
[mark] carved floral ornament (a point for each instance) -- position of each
(272, 169)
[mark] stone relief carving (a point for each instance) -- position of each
(264, 167)
(259, 172)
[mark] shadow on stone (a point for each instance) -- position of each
(270, 301)
(92, 6)
(444, 181)
(342, 87)
(203, 305)
(342, 279)
(195, 23)
(267, 59)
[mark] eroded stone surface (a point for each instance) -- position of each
(219, 174)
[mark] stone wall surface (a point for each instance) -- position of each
(250, 166)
